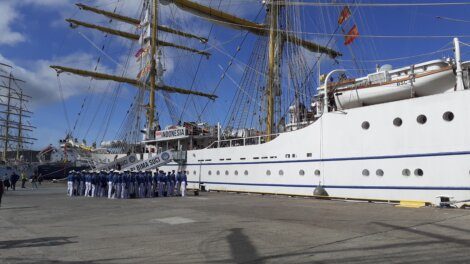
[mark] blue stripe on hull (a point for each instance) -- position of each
(437, 154)
(341, 186)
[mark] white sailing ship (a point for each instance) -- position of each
(393, 135)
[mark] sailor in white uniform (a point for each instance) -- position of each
(70, 179)
(184, 182)
(110, 183)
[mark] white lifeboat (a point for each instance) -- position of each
(387, 85)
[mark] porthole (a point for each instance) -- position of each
(226, 172)
(365, 125)
(448, 116)
(406, 172)
(421, 119)
(218, 172)
(419, 172)
(281, 172)
(268, 172)
(317, 172)
(246, 172)
(365, 172)
(397, 122)
(301, 172)
(379, 173)
(236, 172)
(210, 172)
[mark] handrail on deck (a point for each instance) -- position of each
(245, 141)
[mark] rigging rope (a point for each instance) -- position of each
(63, 102)
(402, 58)
(198, 68)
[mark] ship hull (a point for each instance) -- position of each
(413, 161)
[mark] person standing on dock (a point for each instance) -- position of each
(23, 179)
(119, 185)
(13, 179)
(184, 182)
(141, 181)
(125, 185)
(179, 178)
(148, 176)
(70, 180)
(172, 182)
(161, 183)
(82, 187)
(115, 184)
(94, 179)
(110, 183)
(87, 184)
(34, 181)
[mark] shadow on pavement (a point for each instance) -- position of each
(241, 248)
(36, 242)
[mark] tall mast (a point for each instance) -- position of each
(20, 127)
(273, 60)
(7, 120)
(153, 52)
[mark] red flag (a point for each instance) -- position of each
(139, 52)
(351, 36)
(142, 53)
(345, 14)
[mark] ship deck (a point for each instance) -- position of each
(44, 226)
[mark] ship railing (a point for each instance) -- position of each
(245, 141)
(179, 156)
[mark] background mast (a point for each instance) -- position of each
(13, 117)
(153, 52)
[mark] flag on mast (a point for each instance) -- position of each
(142, 52)
(345, 14)
(351, 36)
(145, 71)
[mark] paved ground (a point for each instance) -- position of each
(44, 226)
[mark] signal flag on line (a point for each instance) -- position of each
(345, 14)
(351, 36)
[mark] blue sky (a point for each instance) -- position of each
(34, 35)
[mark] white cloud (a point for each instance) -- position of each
(41, 81)
(8, 16)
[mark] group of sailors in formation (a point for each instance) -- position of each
(126, 184)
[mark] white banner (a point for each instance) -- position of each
(151, 163)
(171, 133)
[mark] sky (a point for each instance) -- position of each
(34, 35)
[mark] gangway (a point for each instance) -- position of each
(119, 163)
